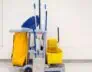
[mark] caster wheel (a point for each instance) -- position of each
(28, 69)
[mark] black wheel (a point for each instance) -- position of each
(28, 69)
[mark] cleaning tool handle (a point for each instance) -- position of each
(34, 6)
(46, 22)
(46, 17)
(58, 33)
(40, 13)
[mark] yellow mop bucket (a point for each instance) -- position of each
(53, 53)
(20, 48)
(54, 58)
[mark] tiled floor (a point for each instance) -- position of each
(69, 67)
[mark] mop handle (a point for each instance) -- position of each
(35, 15)
(39, 14)
(45, 17)
(34, 30)
(58, 33)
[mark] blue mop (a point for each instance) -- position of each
(30, 23)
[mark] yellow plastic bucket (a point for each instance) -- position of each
(54, 58)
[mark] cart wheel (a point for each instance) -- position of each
(28, 69)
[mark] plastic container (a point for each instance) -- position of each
(54, 58)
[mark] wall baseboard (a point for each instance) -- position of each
(65, 60)
(77, 60)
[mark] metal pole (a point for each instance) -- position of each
(40, 13)
(58, 33)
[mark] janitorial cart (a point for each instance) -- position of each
(32, 50)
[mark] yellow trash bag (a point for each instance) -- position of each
(20, 48)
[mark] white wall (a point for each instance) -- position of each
(74, 17)
(0, 23)
(15, 12)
